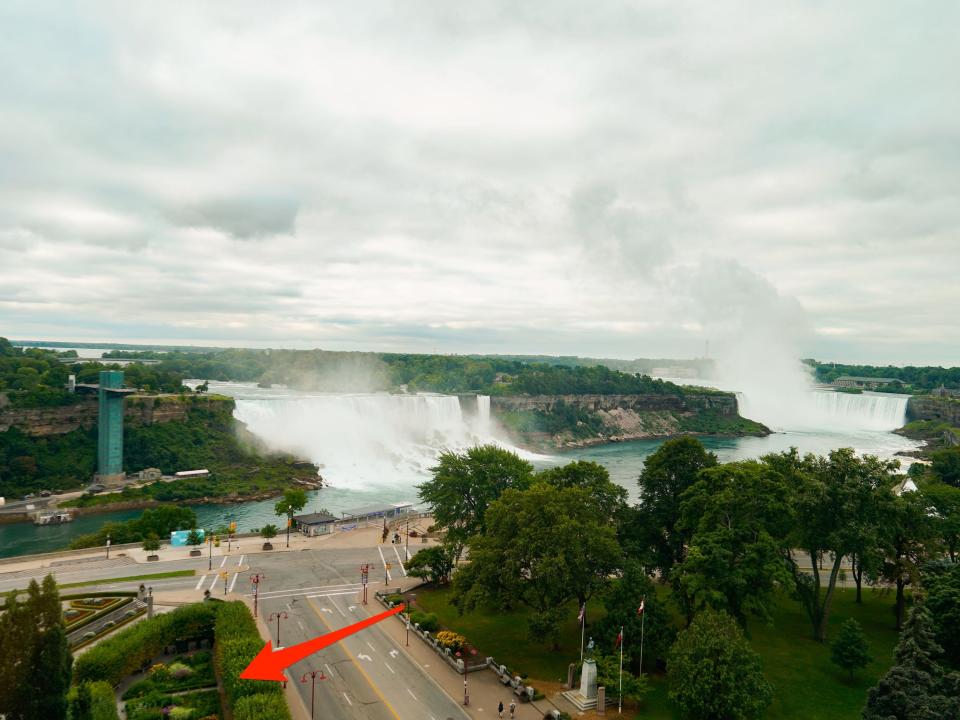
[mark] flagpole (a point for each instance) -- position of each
(583, 629)
(620, 699)
(643, 618)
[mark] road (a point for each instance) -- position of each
(368, 676)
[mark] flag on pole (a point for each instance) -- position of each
(640, 609)
(583, 611)
(619, 638)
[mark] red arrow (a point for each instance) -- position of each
(269, 665)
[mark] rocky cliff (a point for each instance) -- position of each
(932, 407)
(139, 410)
(565, 421)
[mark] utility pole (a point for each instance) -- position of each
(224, 574)
(313, 685)
(108, 546)
(209, 551)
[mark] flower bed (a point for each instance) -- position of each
(192, 706)
(74, 617)
(94, 603)
(183, 673)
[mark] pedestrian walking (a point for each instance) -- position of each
(500, 710)
(513, 709)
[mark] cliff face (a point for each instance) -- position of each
(139, 410)
(932, 407)
(566, 421)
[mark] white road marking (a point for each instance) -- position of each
(224, 561)
(234, 581)
(213, 581)
(290, 592)
(351, 608)
(391, 669)
(326, 610)
(329, 670)
(365, 657)
(411, 693)
(336, 606)
(200, 582)
(397, 553)
(240, 561)
(327, 595)
(372, 648)
(384, 561)
(394, 653)
(302, 628)
(347, 699)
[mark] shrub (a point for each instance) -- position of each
(449, 639)
(394, 599)
(256, 707)
(428, 622)
(103, 705)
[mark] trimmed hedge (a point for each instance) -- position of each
(428, 622)
(258, 707)
(237, 641)
(128, 650)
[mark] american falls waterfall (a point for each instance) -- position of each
(364, 441)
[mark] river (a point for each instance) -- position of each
(375, 448)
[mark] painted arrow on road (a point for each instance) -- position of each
(365, 657)
(269, 664)
(394, 653)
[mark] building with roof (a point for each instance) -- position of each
(313, 524)
(864, 383)
(110, 394)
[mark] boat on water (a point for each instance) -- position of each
(52, 517)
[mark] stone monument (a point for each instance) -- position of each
(586, 697)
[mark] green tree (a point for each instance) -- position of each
(737, 516)
(945, 500)
(151, 543)
(850, 650)
(621, 600)
(194, 538)
(916, 687)
(80, 703)
(946, 466)
(909, 542)
(831, 496)
(432, 563)
(713, 672)
(292, 502)
(463, 486)
(942, 584)
(268, 532)
(666, 475)
(35, 658)
(593, 477)
(609, 676)
(542, 547)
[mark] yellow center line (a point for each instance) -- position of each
(354, 661)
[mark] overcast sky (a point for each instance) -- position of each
(605, 179)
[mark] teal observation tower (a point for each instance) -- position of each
(110, 427)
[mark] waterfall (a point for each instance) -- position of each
(868, 411)
(363, 441)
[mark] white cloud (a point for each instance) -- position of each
(620, 180)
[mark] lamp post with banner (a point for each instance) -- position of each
(256, 580)
(314, 675)
(364, 579)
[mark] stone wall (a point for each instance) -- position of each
(138, 410)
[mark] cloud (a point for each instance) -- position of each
(631, 179)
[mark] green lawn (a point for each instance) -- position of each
(807, 685)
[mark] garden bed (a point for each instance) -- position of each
(156, 705)
(184, 672)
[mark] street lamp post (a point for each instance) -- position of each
(210, 550)
(256, 580)
(313, 675)
(282, 614)
(108, 546)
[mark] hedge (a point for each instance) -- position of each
(128, 650)
(237, 642)
(258, 707)
(103, 704)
